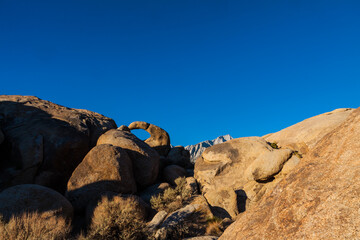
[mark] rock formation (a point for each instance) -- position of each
(105, 168)
(145, 160)
(319, 199)
(31, 198)
(197, 149)
(44, 141)
(304, 135)
(179, 156)
(237, 164)
(159, 139)
(173, 172)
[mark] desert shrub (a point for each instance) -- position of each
(299, 155)
(116, 222)
(32, 226)
(172, 198)
(214, 226)
(274, 145)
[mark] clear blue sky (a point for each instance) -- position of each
(198, 69)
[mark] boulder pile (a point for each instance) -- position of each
(77, 168)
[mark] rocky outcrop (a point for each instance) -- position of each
(179, 156)
(157, 220)
(31, 198)
(105, 168)
(159, 139)
(145, 160)
(173, 172)
(45, 141)
(319, 199)
(304, 135)
(266, 165)
(227, 168)
(197, 149)
(174, 219)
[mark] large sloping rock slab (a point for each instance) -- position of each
(44, 142)
(146, 161)
(31, 198)
(318, 200)
(304, 135)
(105, 168)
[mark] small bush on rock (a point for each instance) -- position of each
(172, 198)
(274, 145)
(32, 226)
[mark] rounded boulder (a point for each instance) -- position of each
(105, 168)
(145, 160)
(31, 198)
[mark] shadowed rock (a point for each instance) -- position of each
(172, 172)
(146, 161)
(44, 141)
(179, 156)
(105, 168)
(31, 198)
(1, 136)
(159, 139)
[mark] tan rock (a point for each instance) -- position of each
(157, 220)
(230, 166)
(105, 168)
(32, 198)
(179, 156)
(159, 139)
(45, 138)
(290, 164)
(319, 199)
(145, 160)
(223, 199)
(267, 164)
(223, 165)
(304, 135)
(123, 128)
(202, 238)
(172, 172)
(192, 185)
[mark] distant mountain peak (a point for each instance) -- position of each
(197, 149)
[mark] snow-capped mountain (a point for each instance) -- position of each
(197, 149)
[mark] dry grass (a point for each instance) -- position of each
(32, 226)
(116, 222)
(214, 227)
(172, 198)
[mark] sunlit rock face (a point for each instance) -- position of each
(319, 199)
(197, 149)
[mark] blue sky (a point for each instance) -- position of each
(198, 69)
